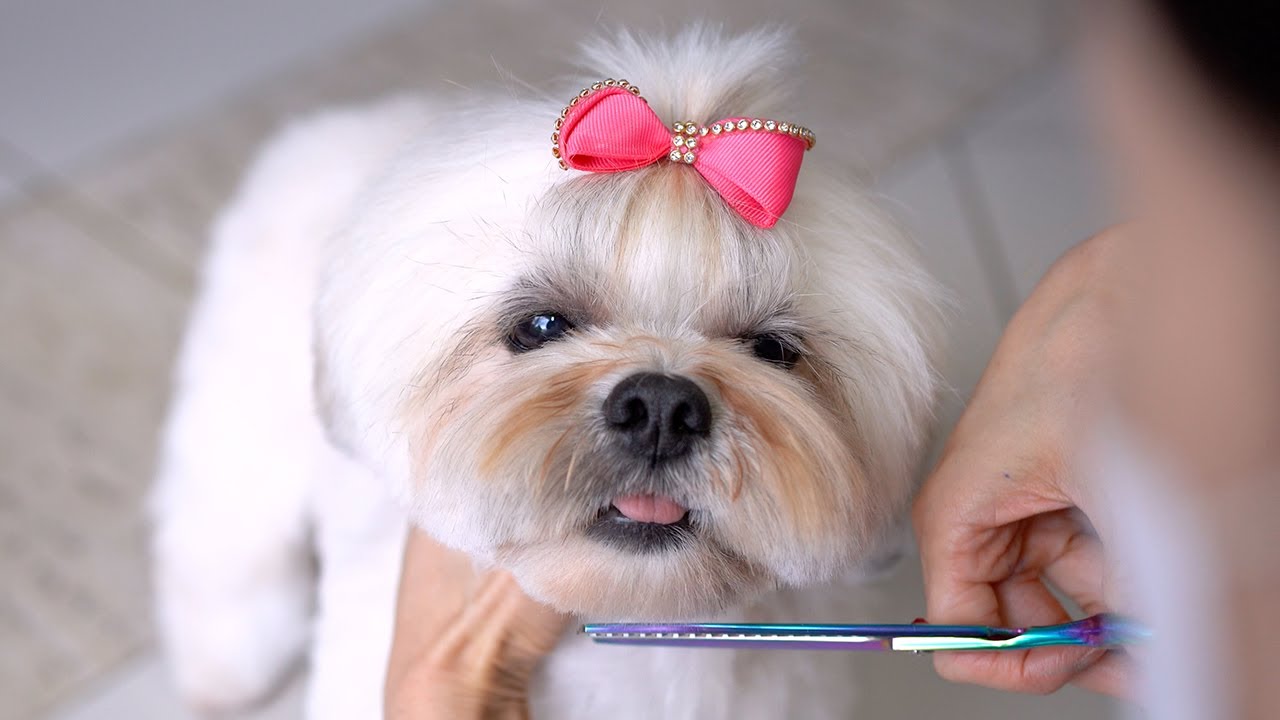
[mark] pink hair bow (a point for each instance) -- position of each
(752, 162)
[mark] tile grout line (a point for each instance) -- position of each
(976, 210)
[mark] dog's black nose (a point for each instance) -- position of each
(658, 416)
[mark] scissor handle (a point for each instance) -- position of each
(1103, 630)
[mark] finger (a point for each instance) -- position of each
(527, 631)
(965, 549)
(473, 637)
(532, 628)
(475, 630)
(960, 566)
(1080, 574)
(1070, 556)
(1040, 670)
(501, 625)
(1061, 549)
(435, 583)
(1022, 600)
(1026, 601)
(1113, 674)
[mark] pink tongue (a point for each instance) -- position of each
(650, 508)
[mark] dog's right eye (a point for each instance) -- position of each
(773, 349)
(537, 330)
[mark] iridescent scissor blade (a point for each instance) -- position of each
(1096, 631)
(798, 637)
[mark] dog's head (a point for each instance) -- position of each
(614, 385)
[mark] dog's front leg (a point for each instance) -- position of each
(360, 536)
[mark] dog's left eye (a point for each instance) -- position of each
(774, 349)
(537, 330)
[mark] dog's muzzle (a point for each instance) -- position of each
(654, 419)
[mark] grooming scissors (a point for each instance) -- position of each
(1103, 630)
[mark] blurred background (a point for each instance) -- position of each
(124, 125)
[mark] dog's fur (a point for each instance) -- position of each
(347, 369)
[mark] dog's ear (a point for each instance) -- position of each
(328, 408)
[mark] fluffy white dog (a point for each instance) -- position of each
(641, 401)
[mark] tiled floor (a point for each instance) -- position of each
(98, 254)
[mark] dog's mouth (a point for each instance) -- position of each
(642, 524)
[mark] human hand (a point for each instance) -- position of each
(1007, 512)
(466, 644)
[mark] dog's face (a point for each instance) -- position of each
(637, 402)
(649, 419)
(616, 387)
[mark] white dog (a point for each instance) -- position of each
(630, 388)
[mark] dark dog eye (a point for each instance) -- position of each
(536, 330)
(771, 348)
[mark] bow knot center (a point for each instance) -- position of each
(684, 142)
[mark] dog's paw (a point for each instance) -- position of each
(219, 671)
(212, 692)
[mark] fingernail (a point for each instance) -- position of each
(919, 621)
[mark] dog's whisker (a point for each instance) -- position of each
(573, 460)
(717, 479)
(739, 472)
(549, 460)
(455, 83)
